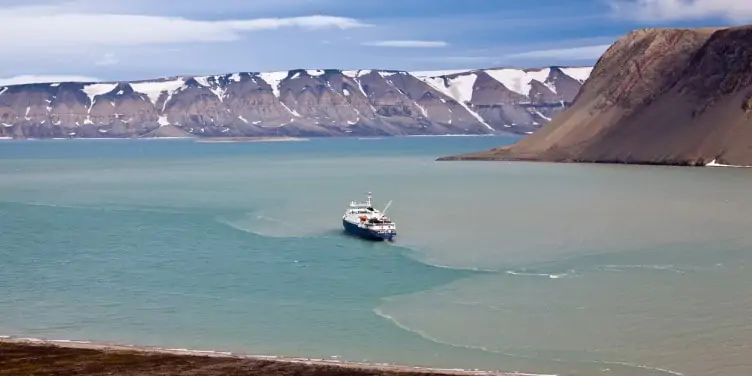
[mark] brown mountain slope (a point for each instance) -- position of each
(656, 96)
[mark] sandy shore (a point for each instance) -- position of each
(250, 139)
(31, 356)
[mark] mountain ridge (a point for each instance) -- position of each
(298, 102)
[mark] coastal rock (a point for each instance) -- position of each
(656, 96)
(294, 103)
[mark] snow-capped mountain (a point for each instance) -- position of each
(294, 103)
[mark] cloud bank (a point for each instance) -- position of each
(683, 10)
(28, 79)
(54, 28)
(574, 53)
(141, 39)
(407, 44)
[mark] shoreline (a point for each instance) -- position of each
(30, 344)
(679, 163)
(251, 139)
(259, 138)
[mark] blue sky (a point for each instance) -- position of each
(140, 39)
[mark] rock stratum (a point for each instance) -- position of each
(656, 96)
(296, 103)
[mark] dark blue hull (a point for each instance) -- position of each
(366, 234)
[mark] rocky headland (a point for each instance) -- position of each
(656, 96)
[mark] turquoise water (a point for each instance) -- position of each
(559, 269)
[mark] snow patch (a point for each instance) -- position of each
(243, 119)
(235, 77)
(363, 91)
(202, 80)
(422, 109)
(518, 80)
(92, 90)
(314, 72)
(459, 88)
(293, 112)
(713, 163)
(153, 89)
(537, 112)
(356, 73)
(3, 90)
(163, 121)
(274, 79)
(392, 73)
(439, 73)
(438, 84)
(578, 73)
(219, 92)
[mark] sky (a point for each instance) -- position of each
(52, 40)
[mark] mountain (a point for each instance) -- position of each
(656, 96)
(294, 103)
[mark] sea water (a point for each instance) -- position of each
(544, 268)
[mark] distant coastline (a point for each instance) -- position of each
(264, 138)
(48, 355)
(360, 101)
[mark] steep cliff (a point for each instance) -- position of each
(294, 103)
(656, 96)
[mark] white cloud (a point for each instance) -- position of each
(108, 59)
(54, 27)
(199, 7)
(407, 43)
(455, 59)
(30, 79)
(573, 53)
(676, 10)
(141, 39)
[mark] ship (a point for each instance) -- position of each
(362, 220)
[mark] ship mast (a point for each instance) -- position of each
(369, 200)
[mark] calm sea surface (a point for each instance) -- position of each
(545, 268)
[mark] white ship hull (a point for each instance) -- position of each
(362, 220)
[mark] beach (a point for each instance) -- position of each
(251, 139)
(26, 356)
